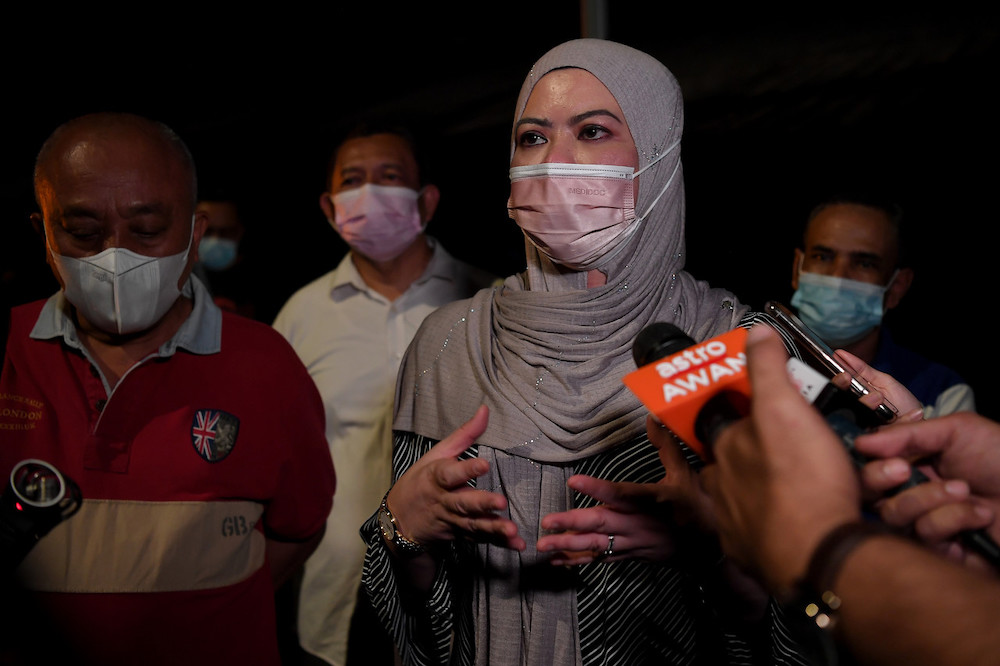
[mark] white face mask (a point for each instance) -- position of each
(120, 291)
(377, 221)
(578, 215)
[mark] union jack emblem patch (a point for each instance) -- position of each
(213, 433)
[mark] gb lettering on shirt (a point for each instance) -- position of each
(238, 525)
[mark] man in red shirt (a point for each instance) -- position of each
(196, 436)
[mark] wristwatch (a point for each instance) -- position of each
(391, 533)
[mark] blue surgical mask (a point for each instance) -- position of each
(217, 254)
(839, 310)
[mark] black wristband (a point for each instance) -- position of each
(816, 594)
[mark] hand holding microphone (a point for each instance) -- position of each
(677, 379)
(779, 480)
(782, 487)
(698, 390)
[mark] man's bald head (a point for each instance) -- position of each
(109, 182)
(107, 127)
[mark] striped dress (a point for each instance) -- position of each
(630, 612)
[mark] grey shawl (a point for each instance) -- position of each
(547, 355)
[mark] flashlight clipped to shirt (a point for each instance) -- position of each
(37, 498)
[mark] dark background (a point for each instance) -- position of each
(781, 109)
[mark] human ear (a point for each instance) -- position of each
(430, 195)
(900, 285)
(796, 264)
(197, 231)
(37, 223)
(326, 204)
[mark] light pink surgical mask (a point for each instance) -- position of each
(377, 221)
(577, 214)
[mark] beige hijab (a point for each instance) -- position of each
(547, 355)
(543, 351)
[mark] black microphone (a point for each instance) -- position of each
(659, 340)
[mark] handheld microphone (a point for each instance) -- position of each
(677, 378)
(696, 390)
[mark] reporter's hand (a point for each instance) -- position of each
(961, 455)
(433, 504)
(641, 516)
(781, 478)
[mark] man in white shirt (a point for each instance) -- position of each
(350, 327)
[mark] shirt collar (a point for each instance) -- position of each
(201, 332)
(440, 266)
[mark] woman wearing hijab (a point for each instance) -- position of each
(484, 551)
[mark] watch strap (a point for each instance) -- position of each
(407, 546)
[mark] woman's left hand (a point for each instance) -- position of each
(642, 517)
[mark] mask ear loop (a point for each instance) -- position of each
(885, 289)
(802, 262)
(638, 220)
(187, 251)
(194, 217)
(666, 186)
(892, 279)
(423, 224)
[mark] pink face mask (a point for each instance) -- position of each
(578, 215)
(573, 213)
(377, 221)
